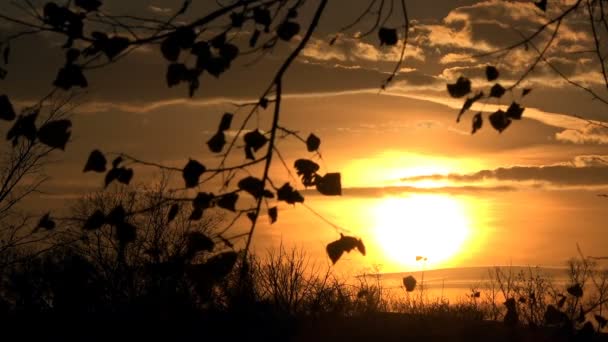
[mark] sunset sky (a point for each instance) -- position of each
(416, 182)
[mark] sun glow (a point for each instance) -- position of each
(434, 227)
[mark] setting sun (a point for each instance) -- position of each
(430, 226)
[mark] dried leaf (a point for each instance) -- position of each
(192, 172)
(287, 30)
(388, 36)
(460, 88)
(217, 142)
(336, 249)
(225, 122)
(491, 73)
(497, 91)
(288, 194)
(96, 162)
(468, 103)
(499, 120)
(228, 201)
(312, 143)
(55, 134)
(514, 111)
(330, 184)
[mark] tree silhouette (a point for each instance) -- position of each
(207, 46)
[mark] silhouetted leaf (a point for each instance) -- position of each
(237, 19)
(225, 122)
(173, 211)
(46, 222)
(562, 301)
(55, 134)
(252, 216)
(198, 242)
(111, 176)
(176, 73)
(229, 52)
(125, 175)
(202, 51)
(192, 172)
(117, 215)
(312, 143)
(96, 162)
(460, 88)
(70, 76)
(542, 5)
(216, 66)
(125, 232)
(499, 120)
(273, 213)
(71, 56)
(477, 122)
(468, 103)
(525, 92)
(307, 169)
(254, 38)
(116, 162)
(287, 30)
(185, 37)
(515, 111)
(410, 283)
(344, 244)
(575, 290)
(387, 36)
(95, 221)
(197, 214)
(288, 194)
(491, 73)
(553, 316)
(228, 201)
(7, 112)
(253, 186)
(203, 200)
(115, 46)
(330, 184)
(3, 73)
(25, 126)
(254, 140)
(217, 142)
(88, 5)
(170, 48)
(497, 91)
(222, 264)
(262, 16)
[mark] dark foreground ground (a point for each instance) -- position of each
(369, 328)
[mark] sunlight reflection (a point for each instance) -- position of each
(431, 226)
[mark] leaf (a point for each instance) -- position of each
(273, 213)
(307, 170)
(170, 48)
(262, 16)
(95, 221)
(515, 111)
(173, 211)
(198, 242)
(25, 126)
(253, 40)
(197, 214)
(70, 76)
(252, 216)
(499, 120)
(460, 88)
(287, 30)
(254, 140)
(288, 194)
(561, 302)
(219, 40)
(117, 161)
(468, 103)
(410, 283)
(229, 52)
(525, 92)
(111, 176)
(344, 244)
(115, 46)
(117, 215)
(7, 112)
(388, 36)
(96, 162)
(55, 134)
(330, 184)
(497, 91)
(477, 122)
(192, 172)
(202, 51)
(216, 66)
(553, 316)
(125, 232)
(252, 185)
(176, 73)
(217, 142)
(491, 73)
(225, 122)
(228, 201)
(237, 19)
(219, 266)
(203, 200)
(71, 56)
(88, 5)
(312, 143)
(185, 37)
(46, 222)
(542, 5)
(575, 290)
(124, 175)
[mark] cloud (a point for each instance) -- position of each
(583, 171)
(159, 10)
